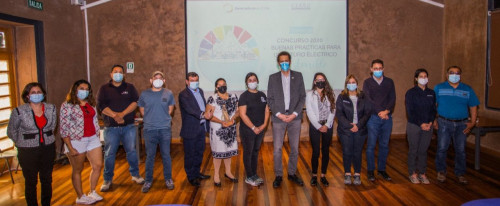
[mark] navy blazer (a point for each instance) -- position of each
(191, 114)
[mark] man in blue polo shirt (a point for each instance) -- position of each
(454, 100)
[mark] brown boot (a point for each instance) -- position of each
(441, 176)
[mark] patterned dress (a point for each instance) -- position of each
(223, 139)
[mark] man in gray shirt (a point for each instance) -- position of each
(156, 105)
(286, 97)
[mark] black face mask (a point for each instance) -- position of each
(321, 84)
(222, 89)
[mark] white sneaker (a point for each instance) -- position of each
(84, 200)
(95, 196)
(138, 179)
(105, 186)
(251, 181)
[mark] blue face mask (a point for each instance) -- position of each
(378, 73)
(454, 78)
(82, 94)
(117, 77)
(352, 87)
(285, 66)
(36, 98)
(193, 85)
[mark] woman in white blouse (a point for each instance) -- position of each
(320, 107)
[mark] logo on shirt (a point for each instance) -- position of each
(262, 99)
(125, 92)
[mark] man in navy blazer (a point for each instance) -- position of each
(194, 126)
(286, 97)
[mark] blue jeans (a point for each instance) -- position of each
(447, 131)
(154, 138)
(112, 138)
(352, 151)
(378, 129)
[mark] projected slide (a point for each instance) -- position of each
(228, 39)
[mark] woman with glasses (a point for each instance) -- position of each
(353, 112)
(80, 132)
(320, 108)
(31, 128)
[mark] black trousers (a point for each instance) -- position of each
(251, 143)
(37, 161)
(193, 154)
(325, 139)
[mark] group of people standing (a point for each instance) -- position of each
(361, 116)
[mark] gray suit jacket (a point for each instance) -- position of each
(276, 99)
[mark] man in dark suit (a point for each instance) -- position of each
(194, 126)
(286, 97)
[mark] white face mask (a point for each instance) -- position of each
(423, 81)
(252, 85)
(157, 83)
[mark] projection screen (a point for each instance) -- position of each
(228, 39)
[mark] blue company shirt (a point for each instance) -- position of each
(454, 103)
(199, 99)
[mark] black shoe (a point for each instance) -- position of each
(277, 181)
(314, 181)
(324, 181)
(217, 184)
(194, 182)
(231, 179)
(371, 176)
(203, 177)
(384, 175)
(296, 179)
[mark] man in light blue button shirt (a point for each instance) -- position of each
(192, 104)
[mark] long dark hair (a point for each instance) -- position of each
(73, 99)
(327, 91)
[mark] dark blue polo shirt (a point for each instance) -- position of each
(117, 99)
(420, 105)
(454, 103)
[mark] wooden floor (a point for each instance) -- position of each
(399, 191)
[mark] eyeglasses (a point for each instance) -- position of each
(453, 72)
(378, 68)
